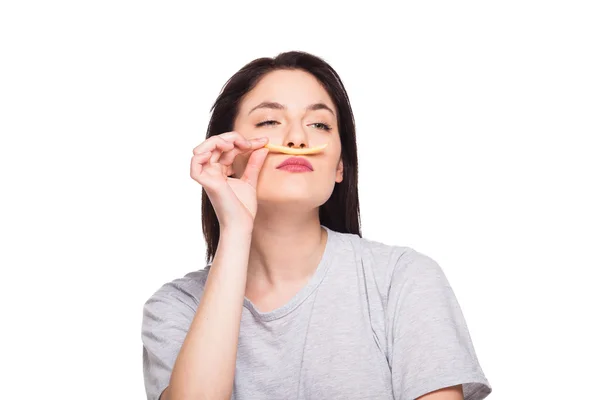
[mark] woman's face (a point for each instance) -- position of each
(292, 109)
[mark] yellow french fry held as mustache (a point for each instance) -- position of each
(295, 151)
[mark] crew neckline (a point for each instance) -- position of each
(305, 291)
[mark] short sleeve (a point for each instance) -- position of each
(430, 346)
(167, 316)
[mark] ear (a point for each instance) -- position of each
(339, 172)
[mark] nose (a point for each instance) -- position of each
(296, 137)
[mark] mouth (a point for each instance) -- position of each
(296, 164)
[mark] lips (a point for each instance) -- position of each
(298, 162)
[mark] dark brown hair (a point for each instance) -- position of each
(341, 212)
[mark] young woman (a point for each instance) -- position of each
(294, 303)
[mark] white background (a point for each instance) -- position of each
(478, 126)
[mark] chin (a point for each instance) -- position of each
(285, 196)
(292, 197)
(303, 192)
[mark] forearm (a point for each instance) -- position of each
(205, 366)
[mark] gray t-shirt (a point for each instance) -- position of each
(375, 321)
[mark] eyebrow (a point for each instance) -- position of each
(277, 106)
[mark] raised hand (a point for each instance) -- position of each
(234, 199)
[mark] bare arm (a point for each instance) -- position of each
(449, 393)
(205, 366)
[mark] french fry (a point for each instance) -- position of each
(295, 151)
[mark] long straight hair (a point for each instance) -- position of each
(341, 212)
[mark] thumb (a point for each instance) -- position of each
(255, 163)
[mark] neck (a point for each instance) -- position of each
(287, 246)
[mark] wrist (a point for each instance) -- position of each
(238, 232)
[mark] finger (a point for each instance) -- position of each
(233, 137)
(228, 156)
(197, 163)
(221, 145)
(258, 143)
(243, 143)
(255, 163)
(212, 143)
(239, 140)
(215, 155)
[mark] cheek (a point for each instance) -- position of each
(333, 172)
(328, 174)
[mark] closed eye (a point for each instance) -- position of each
(269, 122)
(318, 125)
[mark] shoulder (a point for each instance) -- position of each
(369, 248)
(184, 291)
(390, 263)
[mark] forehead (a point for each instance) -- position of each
(295, 89)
